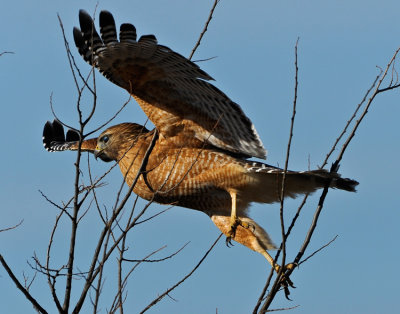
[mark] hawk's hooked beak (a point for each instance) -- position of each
(100, 153)
(97, 152)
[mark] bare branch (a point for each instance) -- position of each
(204, 29)
(6, 52)
(284, 309)
(157, 260)
(62, 209)
(71, 60)
(315, 252)
(325, 162)
(335, 165)
(278, 281)
(334, 168)
(158, 299)
(112, 118)
(203, 60)
(28, 284)
(13, 227)
(377, 91)
(153, 216)
(52, 279)
(92, 273)
(35, 304)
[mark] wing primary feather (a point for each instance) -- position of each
(127, 33)
(53, 136)
(80, 43)
(72, 136)
(90, 35)
(58, 131)
(148, 39)
(55, 140)
(47, 136)
(108, 31)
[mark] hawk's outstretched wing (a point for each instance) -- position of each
(173, 91)
(54, 139)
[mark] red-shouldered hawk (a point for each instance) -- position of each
(199, 160)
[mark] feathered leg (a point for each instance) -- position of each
(234, 221)
(254, 237)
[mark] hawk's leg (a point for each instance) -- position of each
(256, 239)
(276, 266)
(285, 280)
(234, 221)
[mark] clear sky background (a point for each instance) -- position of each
(341, 43)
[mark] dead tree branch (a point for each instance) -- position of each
(204, 29)
(317, 251)
(334, 168)
(20, 287)
(6, 52)
(158, 299)
(13, 227)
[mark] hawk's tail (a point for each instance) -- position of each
(268, 181)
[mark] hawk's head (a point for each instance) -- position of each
(114, 142)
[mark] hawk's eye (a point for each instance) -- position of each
(105, 139)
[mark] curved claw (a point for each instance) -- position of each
(285, 284)
(230, 236)
(287, 293)
(228, 241)
(285, 281)
(232, 232)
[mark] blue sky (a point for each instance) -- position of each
(341, 43)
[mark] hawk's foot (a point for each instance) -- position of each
(287, 267)
(285, 281)
(232, 231)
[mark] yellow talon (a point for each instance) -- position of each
(287, 267)
(232, 231)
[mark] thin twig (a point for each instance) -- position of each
(6, 52)
(335, 165)
(13, 227)
(122, 283)
(156, 260)
(61, 208)
(52, 279)
(35, 304)
(325, 162)
(278, 281)
(203, 60)
(376, 92)
(204, 29)
(26, 279)
(71, 60)
(284, 309)
(92, 273)
(317, 251)
(153, 216)
(158, 299)
(378, 81)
